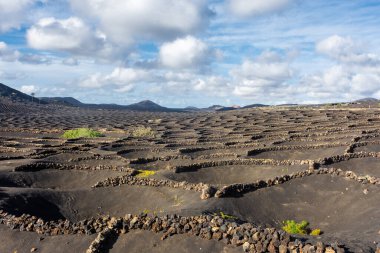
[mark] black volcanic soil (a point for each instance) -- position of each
(52, 178)
(224, 175)
(16, 241)
(333, 204)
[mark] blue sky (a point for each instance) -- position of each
(192, 52)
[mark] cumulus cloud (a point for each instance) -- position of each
(70, 61)
(122, 76)
(12, 13)
(125, 88)
(68, 35)
(125, 21)
(249, 8)
(12, 75)
(93, 81)
(339, 82)
(121, 79)
(334, 80)
(28, 89)
(215, 85)
(184, 53)
(355, 75)
(7, 54)
(257, 77)
(344, 49)
(366, 84)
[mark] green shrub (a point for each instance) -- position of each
(143, 132)
(81, 133)
(292, 227)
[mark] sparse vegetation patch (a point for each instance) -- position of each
(292, 227)
(301, 228)
(155, 121)
(226, 216)
(81, 133)
(145, 173)
(316, 232)
(143, 132)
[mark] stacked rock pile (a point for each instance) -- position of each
(60, 166)
(132, 180)
(236, 189)
(252, 238)
(249, 161)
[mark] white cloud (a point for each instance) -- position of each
(51, 91)
(344, 49)
(93, 81)
(34, 59)
(122, 76)
(264, 72)
(125, 88)
(254, 78)
(121, 79)
(356, 74)
(336, 46)
(69, 35)
(366, 84)
(179, 77)
(184, 53)
(215, 85)
(340, 82)
(12, 75)
(28, 89)
(12, 13)
(125, 21)
(335, 80)
(70, 61)
(7, 54)
(248, 8)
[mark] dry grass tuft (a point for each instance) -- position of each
(143, 132)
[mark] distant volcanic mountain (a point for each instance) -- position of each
(62, 100)
(147, 105)
(367, 100)
(8, 93)
(255, 105)
(215, 107)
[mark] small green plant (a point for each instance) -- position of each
(81, 133)
(225, 216)
(143, 132)
(145, 173)
(302, 228)
(315, 232)
(292, 227)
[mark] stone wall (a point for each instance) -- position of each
(247, 235)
